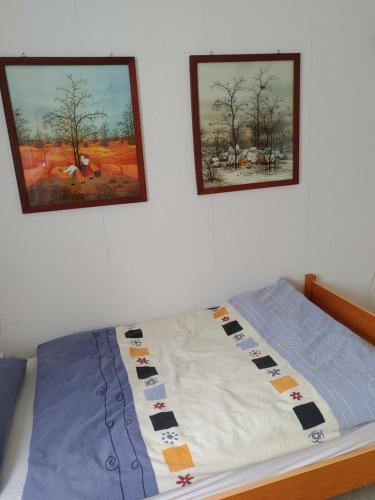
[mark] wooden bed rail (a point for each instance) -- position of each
(354, 317)
(318, 481)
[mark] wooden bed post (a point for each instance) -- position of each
(309, 280)
(356, 318)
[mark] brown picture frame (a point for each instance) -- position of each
(138, 192)
(267, 160)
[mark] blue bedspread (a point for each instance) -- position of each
(339, 364)
(86, 441)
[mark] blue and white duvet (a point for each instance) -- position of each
(128, 412)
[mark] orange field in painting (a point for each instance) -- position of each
(115, 168)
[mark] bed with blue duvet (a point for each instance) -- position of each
(131, 412)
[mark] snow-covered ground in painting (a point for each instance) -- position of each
(244, 175)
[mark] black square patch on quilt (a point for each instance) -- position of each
(264, 362)
(232, 327)
(309, 415)
(163, 420)
(146, 371)
(134, 334)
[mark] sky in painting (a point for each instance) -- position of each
(224, 72)
(33, 89)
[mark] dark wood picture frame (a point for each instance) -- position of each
(140, 190)
(204, 187)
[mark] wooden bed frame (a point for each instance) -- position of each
(332, 476)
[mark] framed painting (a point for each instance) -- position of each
(74, 129)
(245, 111)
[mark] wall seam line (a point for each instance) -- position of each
(213, 217)
(308, 190)
(109, 267)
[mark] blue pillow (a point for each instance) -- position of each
(12, 373)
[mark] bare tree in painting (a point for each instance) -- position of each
(22, 127)
(233, 119)
(47, 138)
(104, 134)
(282, 137)
(73, 121)
(115, 134)
(126, 125)
(211, 172)
(94, 134)
(258, 102)
(271, 114)
(38, 139)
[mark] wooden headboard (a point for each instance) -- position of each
(354, 317)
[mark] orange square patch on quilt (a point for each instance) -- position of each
(283, 384)
(178, 458)
(220, 312)
(138, 351)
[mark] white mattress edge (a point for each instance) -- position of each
(359, 438)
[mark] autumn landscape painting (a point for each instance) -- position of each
(245, 121)
(76, 134)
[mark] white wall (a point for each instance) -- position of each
(342, 148)
(72, 270)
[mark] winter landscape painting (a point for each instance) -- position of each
(245, 121)
(75, 133)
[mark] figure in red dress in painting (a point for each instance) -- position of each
(85, 166)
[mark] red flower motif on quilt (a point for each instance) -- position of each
(159, 406)
(296, 395)
(143, 361)
(185, 480)
(225, 318)
(254, 352)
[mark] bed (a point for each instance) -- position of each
(335, 466)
